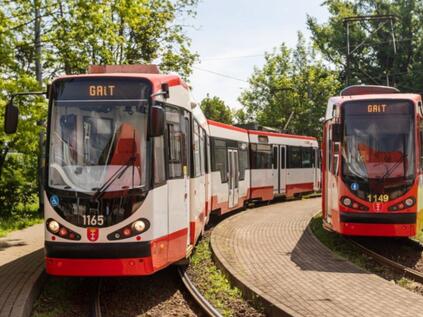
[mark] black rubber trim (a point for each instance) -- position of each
(380, 218)
(97, 250)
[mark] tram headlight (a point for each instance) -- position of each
(409, 202)
(347, 201)
(54, 226)
(138, 226)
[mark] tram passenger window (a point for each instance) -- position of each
(275, 157)
(219, 158)
(159, 161)
(196, 150)
(261, 156)
(202, 151)
(294, 157)
(175, 142)
(243, 159)
(306, 154)
(282, 157)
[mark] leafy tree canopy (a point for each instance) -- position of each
(374, 62)
(215, 108)
(290, 82)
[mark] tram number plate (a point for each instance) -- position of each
(93, 220)
(375, 198)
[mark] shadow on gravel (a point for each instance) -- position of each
(161, 294)
(310, 255)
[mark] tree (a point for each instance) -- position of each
(290, 82)
(73, 35)
(375, 61)
(78, 33)
(214, 108)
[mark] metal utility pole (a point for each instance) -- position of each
(37, 42)
(382, 20)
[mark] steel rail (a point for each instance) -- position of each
(95, 308)
(201, 301)
(408, 272)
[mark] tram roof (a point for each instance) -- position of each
(339, 99)
(155, 79)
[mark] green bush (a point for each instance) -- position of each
(18, 184)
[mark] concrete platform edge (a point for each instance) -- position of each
(29, 295)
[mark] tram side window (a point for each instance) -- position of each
(243, 160)
(282, 157)
(261, 156)
(219, 161)
(294, 157)
(196, 150)
(159, 161)
(202, 151)
(307, 157)
(175, 142)
(275, 157)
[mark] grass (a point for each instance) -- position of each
(337, 243)
(214, 285)
(343, 248)
(24, 216)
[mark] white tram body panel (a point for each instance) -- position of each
(283, 164)
(230, 175)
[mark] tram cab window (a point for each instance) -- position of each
(175, 142)
(219, 158)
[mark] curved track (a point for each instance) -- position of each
(196, 295)
(406, 271)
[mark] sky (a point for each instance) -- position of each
(231, 37)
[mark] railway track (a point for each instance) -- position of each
(408, 272)
(203, 304)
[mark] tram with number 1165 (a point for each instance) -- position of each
(134, 170)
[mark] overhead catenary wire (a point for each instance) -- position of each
(220, 74)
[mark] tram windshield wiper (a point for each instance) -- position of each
(119, 173)
(393, 168)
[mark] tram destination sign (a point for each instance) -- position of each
(370, 107)
(101, 88)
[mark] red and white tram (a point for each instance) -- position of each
(372, 167)
(134, 169)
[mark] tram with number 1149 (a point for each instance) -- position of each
(372, 162)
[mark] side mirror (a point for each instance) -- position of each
(336, 132)
(165, 90)
(157, 121)
(11, 118)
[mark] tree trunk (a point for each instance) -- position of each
(37, 42)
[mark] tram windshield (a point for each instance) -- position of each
(378, 146)
(98, 142)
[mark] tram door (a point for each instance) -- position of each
(276, 173)
(282, 171)
(233, 182)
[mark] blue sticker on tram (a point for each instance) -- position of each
(54, 200)
(354, 186)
